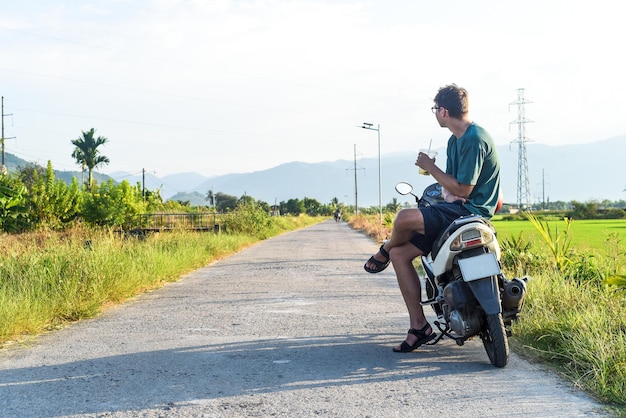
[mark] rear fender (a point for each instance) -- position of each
(487, 293)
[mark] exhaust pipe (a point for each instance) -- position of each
(513, 295)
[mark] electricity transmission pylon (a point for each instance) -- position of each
(523, 182)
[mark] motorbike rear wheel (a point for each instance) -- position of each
(495, 340)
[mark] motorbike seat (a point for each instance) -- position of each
(456, 224)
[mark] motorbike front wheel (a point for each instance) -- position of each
(495, 340)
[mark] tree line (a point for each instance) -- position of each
(32, 197)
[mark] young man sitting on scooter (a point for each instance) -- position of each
(471, 185)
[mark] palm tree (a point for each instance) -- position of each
(86, 152)
(393, 206)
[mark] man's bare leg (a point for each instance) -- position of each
(407, 222)
(408, 280)
(402, 253)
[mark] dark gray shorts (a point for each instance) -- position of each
(437, 218)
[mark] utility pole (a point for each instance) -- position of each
(356, 192)
(544, 200)
(543, 188)
(3, 169)
(143, 183)
(523, 182)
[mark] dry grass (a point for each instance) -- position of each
(370, 225)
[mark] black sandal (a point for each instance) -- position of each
(422, 338)
(380, 265)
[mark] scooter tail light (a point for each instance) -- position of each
(471, 238)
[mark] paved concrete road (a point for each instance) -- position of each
(290, 327)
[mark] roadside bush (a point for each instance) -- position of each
(52, 203)
(612, 214)
(519, 259)
(583, 268)
(249, 219)
(113, 205)
(587, 210)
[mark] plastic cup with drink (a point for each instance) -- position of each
(431, 154)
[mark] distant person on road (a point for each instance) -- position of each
(337, 215)
(470, 185)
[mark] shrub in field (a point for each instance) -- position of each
(53, 203)
(519, 257)
(559, 243)
(111, 204)
(583, 268)
(249, 218)
(587, 210)
(314, 208)
(292, 207)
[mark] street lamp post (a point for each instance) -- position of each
(380, 185)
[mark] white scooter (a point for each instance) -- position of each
(464, 282)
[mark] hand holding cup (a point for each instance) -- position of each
(425, 160)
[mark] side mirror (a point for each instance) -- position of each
(404, 188)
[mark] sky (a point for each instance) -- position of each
(237, 86)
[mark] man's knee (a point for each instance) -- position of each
(404, 253)
(410, 219)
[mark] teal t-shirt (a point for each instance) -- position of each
(473, 159)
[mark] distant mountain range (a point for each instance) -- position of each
(13, 162)
(581, 172)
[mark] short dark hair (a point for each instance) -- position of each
(454, 99)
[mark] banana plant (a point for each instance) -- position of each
(11, 207)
